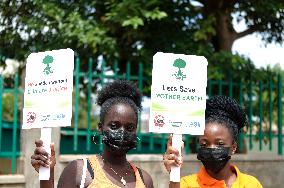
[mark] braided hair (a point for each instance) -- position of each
(226, 111)
(119, 92)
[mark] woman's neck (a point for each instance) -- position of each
(225, 174)
(114, 158)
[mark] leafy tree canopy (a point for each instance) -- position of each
(134, 30)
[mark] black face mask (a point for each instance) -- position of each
(119, 140)
(214, 159)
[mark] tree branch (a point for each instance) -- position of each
(250, 30)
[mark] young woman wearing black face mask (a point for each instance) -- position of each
(120, 102)
(224, 119)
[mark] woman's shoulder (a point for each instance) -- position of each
(69, 176)
(189, 181)
(146, 178)
(247, 179)
(76, 164)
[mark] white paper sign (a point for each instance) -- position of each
(48, 89)
(178, 94)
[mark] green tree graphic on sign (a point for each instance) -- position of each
(180, 64)
(47, 60)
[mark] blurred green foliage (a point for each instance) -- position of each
(7, 110)
(134, 30)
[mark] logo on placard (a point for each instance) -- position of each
(176, 123)
(47, 60)
(31, 117)
(159, 121)
(180, 64)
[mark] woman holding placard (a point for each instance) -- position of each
(120, 102)
(224, 120)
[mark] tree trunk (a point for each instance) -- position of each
(225, 33)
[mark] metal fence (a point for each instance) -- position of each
(10, 131)
(262, 101)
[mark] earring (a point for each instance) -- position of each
(93, 138)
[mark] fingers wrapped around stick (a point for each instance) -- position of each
(41, 157)
(171, 157)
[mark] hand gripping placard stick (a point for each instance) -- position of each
(175, 170)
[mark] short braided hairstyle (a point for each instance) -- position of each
(226, 111)
(119, 92)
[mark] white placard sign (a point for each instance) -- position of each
(178, 98)
(178, 94)
(48, 89)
